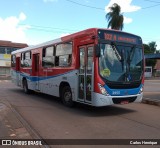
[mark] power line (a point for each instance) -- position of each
(103, 8)
(48, 29)
(151, 6)
(152, 1)
(64, 30)
(85, 5)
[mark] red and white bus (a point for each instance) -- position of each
(98, 67)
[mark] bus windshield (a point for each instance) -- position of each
(121, 63)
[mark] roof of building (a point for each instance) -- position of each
(152, 56)
(12, 44)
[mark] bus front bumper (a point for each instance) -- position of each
(102, 100)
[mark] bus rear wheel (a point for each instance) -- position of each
(25, 87)
(67, 96)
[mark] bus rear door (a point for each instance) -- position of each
(18, 71)
(35, 70)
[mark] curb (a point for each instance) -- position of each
(151, 101)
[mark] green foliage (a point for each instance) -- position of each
(146, 49)
(114, 18)
(150, 48)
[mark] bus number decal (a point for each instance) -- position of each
(108, 36)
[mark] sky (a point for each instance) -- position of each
(38, 21)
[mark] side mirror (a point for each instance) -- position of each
(97, 50)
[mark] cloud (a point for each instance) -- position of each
(22, 16)
(127, 20)
(11, 30)
(126, 6)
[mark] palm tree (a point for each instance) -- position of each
(114, 17)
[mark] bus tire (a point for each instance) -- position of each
(67, 96)
(25, 87)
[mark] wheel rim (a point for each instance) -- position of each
(67, 96)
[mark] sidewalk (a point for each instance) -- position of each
(152, 78)
(10, 125)
(153, 100)
(5, 77)
(13, 126)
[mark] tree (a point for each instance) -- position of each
(150, 49)
(114, 17)
(147, 49)
(152, 46)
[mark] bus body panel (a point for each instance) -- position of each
(48, 84)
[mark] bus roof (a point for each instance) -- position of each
(37, 46)
(67, 38)
(58, 40)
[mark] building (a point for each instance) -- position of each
(6, 47)
(157, 68)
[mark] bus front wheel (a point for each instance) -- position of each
(67, 96)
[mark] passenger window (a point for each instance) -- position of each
(13, 61)
(64, 54)
(48, 59)
(26, 59)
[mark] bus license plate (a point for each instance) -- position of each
(125, 102)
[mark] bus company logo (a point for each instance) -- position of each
(6, 142)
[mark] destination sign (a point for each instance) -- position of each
(119, 37)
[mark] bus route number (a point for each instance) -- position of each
(108, 36)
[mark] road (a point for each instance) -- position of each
(152, 89)
(47, 116)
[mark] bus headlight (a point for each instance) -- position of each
(103, 90)
(141, 90)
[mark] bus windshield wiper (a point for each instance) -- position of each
(114, 46)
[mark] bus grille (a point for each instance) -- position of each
(123, 86)
(120, 100)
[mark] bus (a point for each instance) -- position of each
(98, 67)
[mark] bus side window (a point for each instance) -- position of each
(57, 61)
(27, 61)
(13, 61)
(48, 59)
(64, 54)
(22, 59)
(70, 60)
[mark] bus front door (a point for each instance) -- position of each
(35, 70)
(85, 83)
